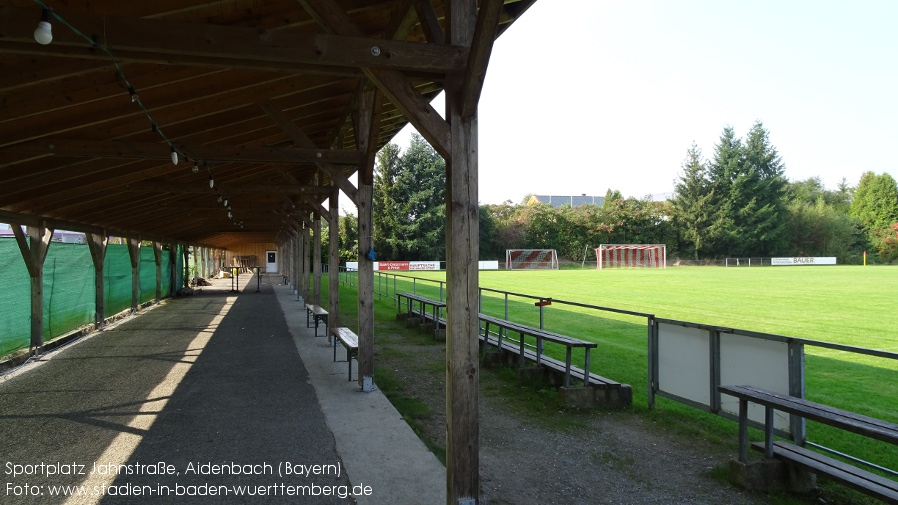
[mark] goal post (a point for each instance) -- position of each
(631, 256)
(531, 259)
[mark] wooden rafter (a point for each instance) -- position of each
(207, 45)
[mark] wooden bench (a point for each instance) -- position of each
(852, 476)
(540, 335)
(423, 303)
(316, 314)
(350, 341)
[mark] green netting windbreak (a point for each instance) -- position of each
(147, 274)
(69, 296)
(15, 298)
(117, 279)
(69, 290)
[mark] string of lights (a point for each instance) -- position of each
(43, 34)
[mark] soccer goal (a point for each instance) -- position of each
(631, 256)
(531, 259)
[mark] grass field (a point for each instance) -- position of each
(851, 305)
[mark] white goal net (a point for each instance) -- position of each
(531, 259)
(631, 256)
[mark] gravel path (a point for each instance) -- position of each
(596, 457)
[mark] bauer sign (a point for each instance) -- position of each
(828, 260)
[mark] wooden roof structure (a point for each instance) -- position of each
(139, 116)
(260, 99)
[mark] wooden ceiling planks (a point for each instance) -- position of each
(201, 69)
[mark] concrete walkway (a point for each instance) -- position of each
(205, 399)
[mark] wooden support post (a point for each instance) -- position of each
(462, 254)
(196, 264)
(172, 267)
(366, 128)
(306, 258)
(296, 263)
(97, 245)
(333, 261)
(366, 287)
(186, 279)
(134, 253)
(316, 260)
(34, 252)
(157, 255)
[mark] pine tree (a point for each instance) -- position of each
(692, 203)
(763, 216)
(723, 171)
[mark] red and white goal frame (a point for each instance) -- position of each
(531, 259)
(631, 256)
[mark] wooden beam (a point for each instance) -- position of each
(366, 128)
(343, 182)
(479, 57)
(97, 243)
(157, 255)
(300, 139)
(34, 252)
(294, 133)
(367, 117)
(462, 250)
(134, 253)
(429, 22)
(317, 208)
(414, 107)
(227, 189)
(392, 83)
(207, 153)
(174, 42)
(333, 274)
(316, 259)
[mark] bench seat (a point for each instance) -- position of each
(350, 341)
(422, 302)
(849, 475)
(540, 335)
(317, 314)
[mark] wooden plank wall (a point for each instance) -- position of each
(256, 249)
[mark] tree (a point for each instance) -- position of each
(722, 171)
(386, 219)
(349, 237)
(749, 194)
(693, 201)
(875, 205)
(410, 202)
(763, 217)
(875, 202)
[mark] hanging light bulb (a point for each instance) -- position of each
(225, 202)
(43, 34)
(219, 198)
(230, 215)
(174, 156)
(133, 94)
(211, 182)
(196, 167)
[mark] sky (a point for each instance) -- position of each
(582, 96)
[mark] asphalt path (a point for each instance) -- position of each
(202, 399)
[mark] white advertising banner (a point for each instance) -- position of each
(416, 265)
(829, 260)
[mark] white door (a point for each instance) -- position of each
(271, 262)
